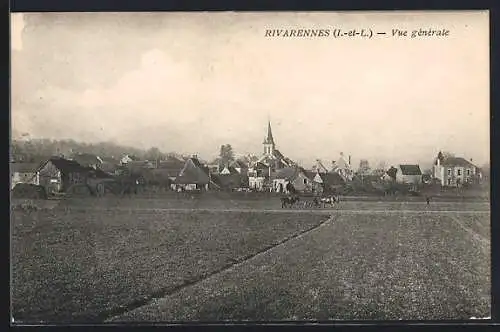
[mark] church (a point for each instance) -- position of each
(272, 158)
(270, 161)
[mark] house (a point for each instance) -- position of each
(128, 158)
(332, 182)
(455, 171)
(257, 177)
(343, 167)
(325, 181)
(409, 174)
(161, 177)
(138, 166)
(193, 176)
(171, 167)
(23, 173)
(88, 160)
(319, 167)
(294, 175)
(109, 165)
(230, 179)
(240, 166)
(58, 174)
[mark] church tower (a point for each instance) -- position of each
(269, 145)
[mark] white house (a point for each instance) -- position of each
(23, 173)
(455, 171)
(409, 174)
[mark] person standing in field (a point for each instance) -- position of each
(427, 199)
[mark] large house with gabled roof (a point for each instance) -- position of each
(455, 171)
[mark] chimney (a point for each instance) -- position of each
(470, 159)
(349, 160)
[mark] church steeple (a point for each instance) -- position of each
(269, 145)
(269, 138)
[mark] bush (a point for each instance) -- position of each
(27, 190)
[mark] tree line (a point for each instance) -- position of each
(34, 149)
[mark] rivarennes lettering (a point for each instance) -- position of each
(297, 33)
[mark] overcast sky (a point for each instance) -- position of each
(189, 82)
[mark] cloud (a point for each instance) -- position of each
(187, 83)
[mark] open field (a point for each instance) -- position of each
(367, 267)
(139, 259)
(71, 264)
(209, 202)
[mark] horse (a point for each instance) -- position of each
(328, 200)
(289, 201)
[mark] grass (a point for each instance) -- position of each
(71, 264)
(78, 264)
(358, 267)
(215, 203)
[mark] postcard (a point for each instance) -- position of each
(250, 166)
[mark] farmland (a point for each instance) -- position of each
(137, 259)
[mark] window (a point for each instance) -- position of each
(305, 181)
(449, 181)
(468, 172)
(449, 171)
(459, 172)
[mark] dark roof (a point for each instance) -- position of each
(457, 161)
(98, 173)
(66, 165)
(228, 181)
(310, 174)
(110, 160)
(332, 179)
(24, 167)
(193, 173)
(163, 174)
(289, 173)
(277, 153)
(86, 159)
(171, 163)
(198, 164)
(410, 169)
(109, 167)
(139, 164)
(231, 170)
(172, 173)
(239, 163)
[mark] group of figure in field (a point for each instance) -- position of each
(294, 200)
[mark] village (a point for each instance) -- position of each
(89, 174)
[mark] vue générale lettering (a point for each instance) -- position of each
(361, 32)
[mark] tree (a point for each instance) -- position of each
(364, 167)
(226, 154)
(153, 154)
(392, 172)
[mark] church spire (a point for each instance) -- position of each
(269, 139)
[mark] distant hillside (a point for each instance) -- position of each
(26, 150)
